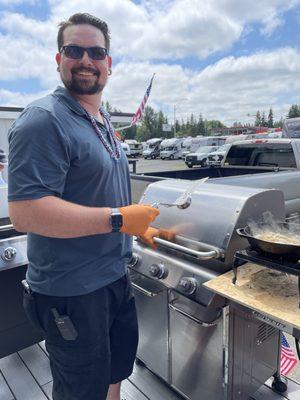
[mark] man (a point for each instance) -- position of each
(69, 189)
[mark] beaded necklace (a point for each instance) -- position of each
(114, 148)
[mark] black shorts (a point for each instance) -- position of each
(105, 348)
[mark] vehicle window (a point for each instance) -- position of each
(204, 149)
(265, 155)
(170, 148)
(294, 135)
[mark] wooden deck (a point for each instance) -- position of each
(26, 375)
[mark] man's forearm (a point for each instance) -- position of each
(54, 217)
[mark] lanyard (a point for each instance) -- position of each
(112, 148)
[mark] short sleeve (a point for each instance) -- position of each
(39, 156)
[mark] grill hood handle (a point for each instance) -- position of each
(4, 228)
(213, 252)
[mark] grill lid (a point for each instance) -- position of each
(215, 212)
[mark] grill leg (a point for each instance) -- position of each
(279, 383)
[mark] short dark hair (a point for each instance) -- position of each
(83, 18)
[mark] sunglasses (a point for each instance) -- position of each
(77, 52)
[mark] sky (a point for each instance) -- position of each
(225, 59)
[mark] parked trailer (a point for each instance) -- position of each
(152, 148)
(171, 149)
(191, 144)
(126, 148)
(136, 148)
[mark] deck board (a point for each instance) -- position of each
(43, 347)
(38, 363)
(19, 379)
(130, 392)
(5, 393)
(48, 389)
(151, 386)
(27, 376)
(264, 393)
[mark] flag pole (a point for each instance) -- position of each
(138, 115)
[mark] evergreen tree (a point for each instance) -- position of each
(200, 126)
(177, 128)
(258, 119)
(263, 119)
(270, 119)
(187, 131)
(294, 111)
(193, 126)
(129, 133)
(108, 107)
(160, 121)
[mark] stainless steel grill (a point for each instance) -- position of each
(16, 332)
(184, 319)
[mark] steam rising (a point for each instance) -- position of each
(274, 231)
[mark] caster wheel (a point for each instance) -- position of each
(279, 386)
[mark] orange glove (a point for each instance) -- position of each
(137, 218)
(167, 234)
(151, 233)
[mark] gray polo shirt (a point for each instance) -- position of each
(54, 151)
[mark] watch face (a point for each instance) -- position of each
(116, 222)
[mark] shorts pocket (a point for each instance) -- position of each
(30, 310)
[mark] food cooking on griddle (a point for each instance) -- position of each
(282, 236)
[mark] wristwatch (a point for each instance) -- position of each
(116, 220)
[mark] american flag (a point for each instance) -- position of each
(288, 358)
(140, 110)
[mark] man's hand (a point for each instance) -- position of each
(1, 167)
(151, 233)
(137, 218)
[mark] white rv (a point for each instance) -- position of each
(191, 144)
(152, 148)
(136, 148)
(125, 147)
(171, 149)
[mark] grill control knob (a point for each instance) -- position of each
(133, 261)
(9, 254)
(188, 285)
(158, 271)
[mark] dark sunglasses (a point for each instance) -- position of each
(77, 52)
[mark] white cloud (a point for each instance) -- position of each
(163, 30)
(26, 58)
(227, 90)
(160, 29)
(180, 28)
(19, 99)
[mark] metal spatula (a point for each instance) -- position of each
(185, 199)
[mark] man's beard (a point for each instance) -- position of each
(81, 85)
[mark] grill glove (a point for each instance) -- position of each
(137, 218)
(151, 233)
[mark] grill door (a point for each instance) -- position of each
(196, 351)
(152, 309)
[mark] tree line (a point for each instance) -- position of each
(151, 124)
(262, 120)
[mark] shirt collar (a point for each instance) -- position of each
(65, 97)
